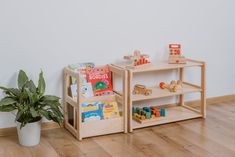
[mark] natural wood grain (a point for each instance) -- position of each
(82, 129)
(13, 131)
(174, 114)
(157, 92)
(211, 137)
(161, 93)
(162, 66)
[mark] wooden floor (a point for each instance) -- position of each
(213, 137)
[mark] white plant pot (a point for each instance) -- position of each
(30, 134)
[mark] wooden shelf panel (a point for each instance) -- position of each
(161, 93)
(107, 98)
(102, 127)
(173, 114)
(162, 66)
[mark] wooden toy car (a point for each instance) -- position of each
(141, 89)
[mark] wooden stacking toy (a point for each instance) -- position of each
(138, 59)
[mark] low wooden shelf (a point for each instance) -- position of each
(173, 113)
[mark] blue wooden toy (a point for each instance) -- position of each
(163, 112)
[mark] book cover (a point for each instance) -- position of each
(86, 90)
(110, 110)
(81, 68)
(100, 79)
(92, 111)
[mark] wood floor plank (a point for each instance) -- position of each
(67, 146)
(212, 137)
(119, 145)
(217, 149)
(182, 143)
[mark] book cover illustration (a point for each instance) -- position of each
(100, 80)
(86, 90)
(92, 111)
(110, 110)
(81, 68)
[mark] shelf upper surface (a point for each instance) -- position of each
(161, 66)
(160, 93)
(173, 114)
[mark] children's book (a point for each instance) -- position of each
(110, 110)
(92, 111)
(100, 79)
(81, 68)
(86, 90)
(73, 89)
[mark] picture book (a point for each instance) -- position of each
(100, 79)
(110, 110)
(81, 68)
(73, 89)
(86, 90)
(92, 111)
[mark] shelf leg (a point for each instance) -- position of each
(65, 93)
(79, 113)
(181, 78)
(203, 93)
(125, 108)
(129, 102)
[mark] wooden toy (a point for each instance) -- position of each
(138, 59)
(162, 112)
(155, 112)
(162, 85)
(147, 113)
(175, 56)
(173, 86)
(141, 89)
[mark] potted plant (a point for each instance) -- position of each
(30, 105)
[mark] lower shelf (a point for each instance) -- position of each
(102, 127)
(173, 114)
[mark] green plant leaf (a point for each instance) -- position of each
(18, 116)
(11, 91)
(41, 84)
(47, 98)
(22, 79)
(31, 86)
(7, 101)
(45, 114)
(7, 108)
(34, 113)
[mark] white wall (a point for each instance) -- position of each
(50, 34)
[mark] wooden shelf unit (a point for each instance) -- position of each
(173, 113)
(72, 107)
